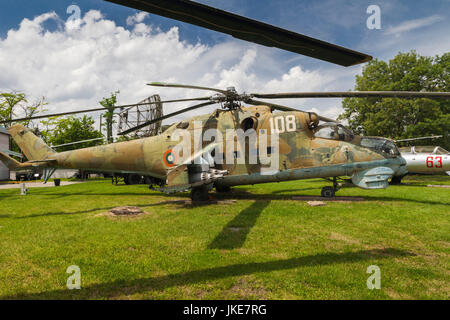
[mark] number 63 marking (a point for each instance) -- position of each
(430, 162)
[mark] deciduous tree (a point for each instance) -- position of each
(72, 129)
(402, 118)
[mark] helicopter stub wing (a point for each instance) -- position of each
(188, 176)
(193, 172)
(375, 178)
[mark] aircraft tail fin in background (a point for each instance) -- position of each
(33, 147)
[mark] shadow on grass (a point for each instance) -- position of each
(133, 286)
(390, 199)
(93, 209)
(245, 195)
(295, 190)
(87, 193)
(233, 235)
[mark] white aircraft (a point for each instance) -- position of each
(426, 160)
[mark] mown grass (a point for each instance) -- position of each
(263, 246)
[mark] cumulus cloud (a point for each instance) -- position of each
(75, 67)
(137, 18)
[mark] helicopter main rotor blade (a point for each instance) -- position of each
(186, 86)
(166, 117)
(269, 104)
(325, 119)
(247, 29)
(101, 109)
(355, 94)
(284, 108)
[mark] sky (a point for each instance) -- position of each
(44, 51)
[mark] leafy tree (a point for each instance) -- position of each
(402, 118)
(15, 104)
(109, 104)
(72, 129)
(8, 103)
(126, 138)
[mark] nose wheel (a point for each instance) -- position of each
(329, 192)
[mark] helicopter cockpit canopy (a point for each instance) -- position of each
(333, 131)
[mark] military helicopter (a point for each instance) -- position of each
(297, 145)
(305, 147)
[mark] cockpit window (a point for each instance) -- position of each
(326, 133)
(440, 150)
(382, 145)
(333, 131)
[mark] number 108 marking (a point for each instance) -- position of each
(281, 124)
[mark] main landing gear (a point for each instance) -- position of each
(329, 192)
(396, 180)
(223, 189)
(199, 194)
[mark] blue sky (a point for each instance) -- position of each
(338, 21)
(208, 57)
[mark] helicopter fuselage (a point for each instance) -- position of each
(304, 150)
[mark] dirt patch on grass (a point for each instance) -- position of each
(246, 288)
(124, 212)
(341, 237)
(335, 199)
(438, 186)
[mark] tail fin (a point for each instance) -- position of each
(33, 147)
(9, 162)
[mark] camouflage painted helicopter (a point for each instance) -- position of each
(305, 148)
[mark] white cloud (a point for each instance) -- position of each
(75, 67)
(137, 18)
(410, 25)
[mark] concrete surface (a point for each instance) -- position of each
(29, 184)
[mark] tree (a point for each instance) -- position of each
(109, 104)
(72, 129)
(8, 102)
(402, 118)
(15, 104)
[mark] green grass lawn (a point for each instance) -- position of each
(263, 246)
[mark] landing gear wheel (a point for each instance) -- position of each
(199, 194)
(328, 192)
(134, 179)
(148, 180)
(223, 189)
(396, 180)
